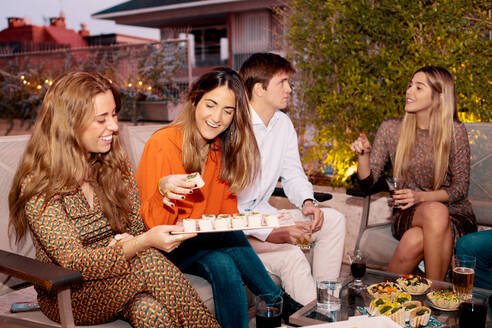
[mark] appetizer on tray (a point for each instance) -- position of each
(444, 300)
(227, 222)
(381, 289)
(415, 285)
(419, 317)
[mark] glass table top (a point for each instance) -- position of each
(351, 301)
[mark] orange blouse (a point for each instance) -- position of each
(163, 156)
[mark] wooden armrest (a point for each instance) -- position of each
(46, 275)
(319, 196)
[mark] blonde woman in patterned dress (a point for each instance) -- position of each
(428, 149)
(75, 191)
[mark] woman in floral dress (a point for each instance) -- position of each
(75, 191)
(429, 150)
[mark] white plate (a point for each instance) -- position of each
(230, 229)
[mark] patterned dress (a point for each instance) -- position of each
(146, 290)
(419, 177)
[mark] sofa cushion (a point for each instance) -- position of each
(378, 245)
(11, 150)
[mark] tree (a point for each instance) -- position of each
(355, 59)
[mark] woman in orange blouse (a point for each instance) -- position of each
(75, 190)
(212, 136)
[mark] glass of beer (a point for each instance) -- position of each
(463, 275)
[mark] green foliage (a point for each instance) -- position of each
(355, 59)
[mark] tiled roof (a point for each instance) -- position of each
(142, 4)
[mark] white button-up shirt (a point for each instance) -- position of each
(279, 159)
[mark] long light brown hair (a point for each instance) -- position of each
(441, 129)
(240, 156)
(55, 162)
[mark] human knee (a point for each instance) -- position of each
(473, 243)
(436, 217)
(334, 221)
(412, 245)
(221, 267)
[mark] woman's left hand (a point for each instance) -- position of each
(119, 238)
(406, 198)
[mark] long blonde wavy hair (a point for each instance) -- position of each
(240, 156)
(55, 162)
(443, 113)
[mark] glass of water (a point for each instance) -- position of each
(328, 294)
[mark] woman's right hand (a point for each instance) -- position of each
(160, 237)
(361, 145)
(175, 187)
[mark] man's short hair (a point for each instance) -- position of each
(260, 68)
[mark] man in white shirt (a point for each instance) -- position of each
(266, 77)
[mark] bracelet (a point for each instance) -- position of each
(135, 246)
(163, 194)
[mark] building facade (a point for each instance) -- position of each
(222, 32)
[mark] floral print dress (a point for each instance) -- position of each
(456, 181)
(146, 290)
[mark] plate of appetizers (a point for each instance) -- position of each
(444, 300)
(413, 284)
(384, 289)
(226, 222)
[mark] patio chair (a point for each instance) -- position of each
(480, 194)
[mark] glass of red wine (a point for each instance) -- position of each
(357, 268)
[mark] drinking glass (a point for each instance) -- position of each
(473, 312)
(393, 185)
(328, 294)
(357, 268)
(463, 275)
(268, 314)
(305, 244)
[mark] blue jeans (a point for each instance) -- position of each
(226, 260)
(479, 245)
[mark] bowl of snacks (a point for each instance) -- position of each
(445, 300)
(384, 289)
(413, 284)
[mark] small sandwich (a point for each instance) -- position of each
(208, 216)
(254, 220)
(222, 222)
(272, 220)
(375, 303)
(420, 316)
(189, 225)
(238, 222)
(196, 178)
(409, 307)
(205, 225)
(397, 314)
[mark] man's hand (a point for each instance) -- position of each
(308, 208)
(290, 234)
